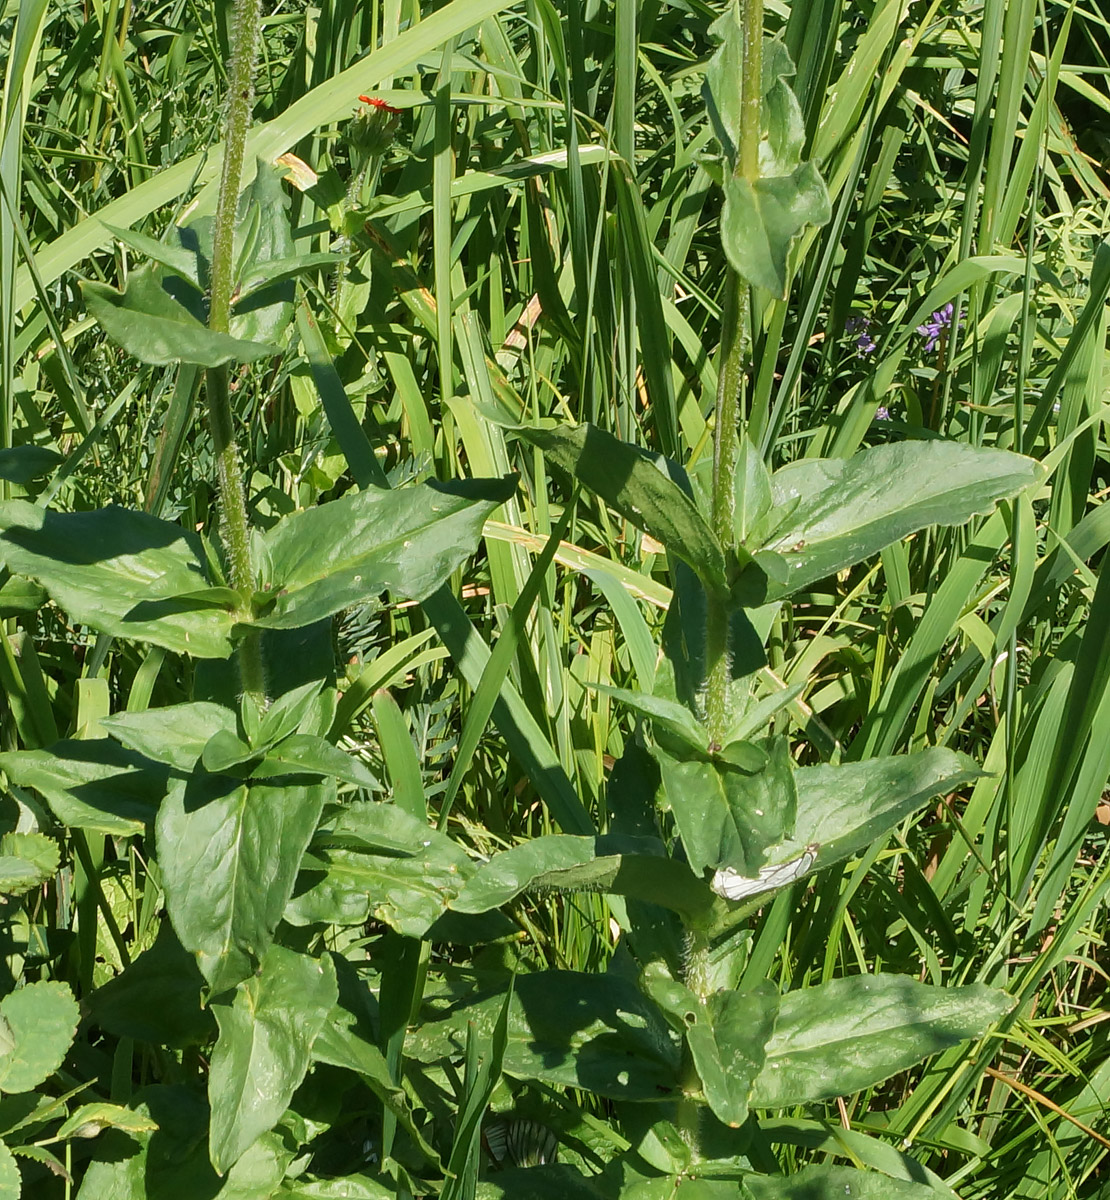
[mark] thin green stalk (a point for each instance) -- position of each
(234, 523)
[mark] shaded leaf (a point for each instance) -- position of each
(155, 328)
(21, 464)
(122, 572)
(595, 1032)
(630, 866)
(761, 217)
(729, 816)
(633, 483)
(94, 784)
(157, 998)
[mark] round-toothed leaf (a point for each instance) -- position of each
(42, 1018)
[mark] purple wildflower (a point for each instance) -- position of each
(858, 326)
(882, 413)
(941, 320)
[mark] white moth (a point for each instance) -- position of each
(729, 883)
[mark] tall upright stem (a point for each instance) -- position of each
(735, 339)
(234, 524)
(732, 366)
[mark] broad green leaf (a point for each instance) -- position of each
(26, 861)
(175, 735)
(19, 596)
(95, 784)
(229, 854)
(157, 998)
(826, 1180)
(848, 509)
(629, 866)
(729, 816)
(21, 464)
(761, 217)
(851, 1033)
(406, 541)
(635, 484)
(264, 289)
(40, 1020)
(845, 808)
(265, 1046)
(595, 1032)
(122, 572)
(722, 89)
(151, 325)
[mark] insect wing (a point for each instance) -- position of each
(729, 883)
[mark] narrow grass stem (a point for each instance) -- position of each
(234, 523)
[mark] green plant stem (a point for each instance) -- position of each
(234, 523)
(735, 341)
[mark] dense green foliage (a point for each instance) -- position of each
(413, 826)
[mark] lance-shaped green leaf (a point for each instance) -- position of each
(37, 1024)
(727, 815)
(155, 328)
(406, 541)
(26, 861)
(852, 1033)
(122, 572)
(633, 483)
(96, 784)
(846, 510)
(229, 854)
(626, 866)
(727, 1034)
(595, 1032)
(265, 1046)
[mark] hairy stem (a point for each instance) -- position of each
(734, 353)
(234, 524)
